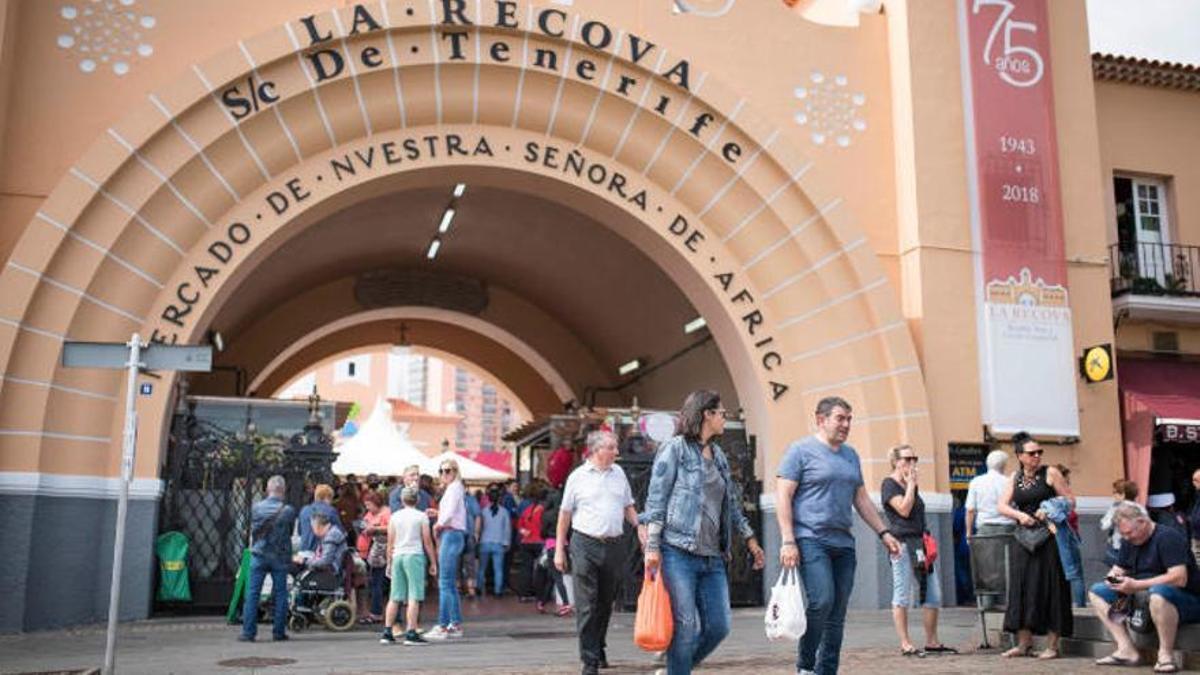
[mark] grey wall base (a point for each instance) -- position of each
(873, 577)
(58, 560)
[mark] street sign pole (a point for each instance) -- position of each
(132, 356)
(127, 454)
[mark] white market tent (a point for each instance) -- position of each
(469, 469)
(378, 447)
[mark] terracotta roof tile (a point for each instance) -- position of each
(1146, 72)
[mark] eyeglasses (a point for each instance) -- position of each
(914, 460)
(445, 470)
(1035, 453)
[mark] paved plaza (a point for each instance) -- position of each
(502, 638)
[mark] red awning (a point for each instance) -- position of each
(1152, 391)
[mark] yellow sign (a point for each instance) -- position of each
(1096, 364)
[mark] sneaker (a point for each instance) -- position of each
(437, 633)
(454, 631)
(387, 638)
(245, 638)
(413, 639)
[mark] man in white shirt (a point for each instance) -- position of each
(596, 504)
(983, 517)
(983, 493)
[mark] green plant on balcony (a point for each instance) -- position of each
(1175, 284)
(1146, 286)
(1128, 269)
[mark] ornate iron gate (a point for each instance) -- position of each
(213, 477)
(745, 583)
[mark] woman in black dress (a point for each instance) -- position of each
(1039, 595)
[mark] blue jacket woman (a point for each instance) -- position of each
(692, 511)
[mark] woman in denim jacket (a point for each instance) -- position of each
(693, 510)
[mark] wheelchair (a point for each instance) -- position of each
(320, 596)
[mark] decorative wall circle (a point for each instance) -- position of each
(108, 32)
(829, 110)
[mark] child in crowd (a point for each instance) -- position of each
(409, 548)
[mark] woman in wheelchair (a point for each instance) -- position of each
(319, 592)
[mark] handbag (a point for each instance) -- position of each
(1139, 620)
(1032, 538)
(654, 625)
(377, 553)
(931, 550)
(785, 618)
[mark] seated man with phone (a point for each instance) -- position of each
(1156, 560)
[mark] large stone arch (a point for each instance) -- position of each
(109, 249)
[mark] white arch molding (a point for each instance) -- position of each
(472, 323)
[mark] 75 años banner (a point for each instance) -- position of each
(1026, 348)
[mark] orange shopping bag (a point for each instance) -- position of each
(654, 624)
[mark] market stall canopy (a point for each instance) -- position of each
(469, 469)
(378, 447)
(1155, 395)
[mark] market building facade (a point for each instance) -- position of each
(834, 192)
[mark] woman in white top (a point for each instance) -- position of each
(451, 531)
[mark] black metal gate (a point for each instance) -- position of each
(211, 480)
(745, 583)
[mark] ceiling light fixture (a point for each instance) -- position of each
(216, 340)
(694, 325)
(459, 189)
(447, 217)
(433, 248)
(629, 367)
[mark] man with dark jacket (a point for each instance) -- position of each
(271, 548)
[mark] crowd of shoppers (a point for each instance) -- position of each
(561, 541)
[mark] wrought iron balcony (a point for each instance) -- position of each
(1140, 268)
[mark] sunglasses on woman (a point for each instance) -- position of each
(445, 470)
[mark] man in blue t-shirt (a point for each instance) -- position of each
(411, 478)
(1158, 560)
(818, 482)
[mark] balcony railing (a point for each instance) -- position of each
(1140, 268)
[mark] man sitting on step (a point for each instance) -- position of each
(1156, 560)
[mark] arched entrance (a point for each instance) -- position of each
(162, 222)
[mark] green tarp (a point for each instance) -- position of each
(172, 551)
(239, 587)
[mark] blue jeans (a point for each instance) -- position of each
(449, 552)
(828, 576)
(699, 594)
(1186, 603)
(378, 580)
(1072, 563)
(494, 553)
(260, 567)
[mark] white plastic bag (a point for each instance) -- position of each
(785, 617)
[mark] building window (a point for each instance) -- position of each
(353, 369)
(1143, 231)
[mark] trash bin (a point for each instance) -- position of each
(172, 551)
(990, 563)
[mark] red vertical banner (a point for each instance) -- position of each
(1025, 317)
